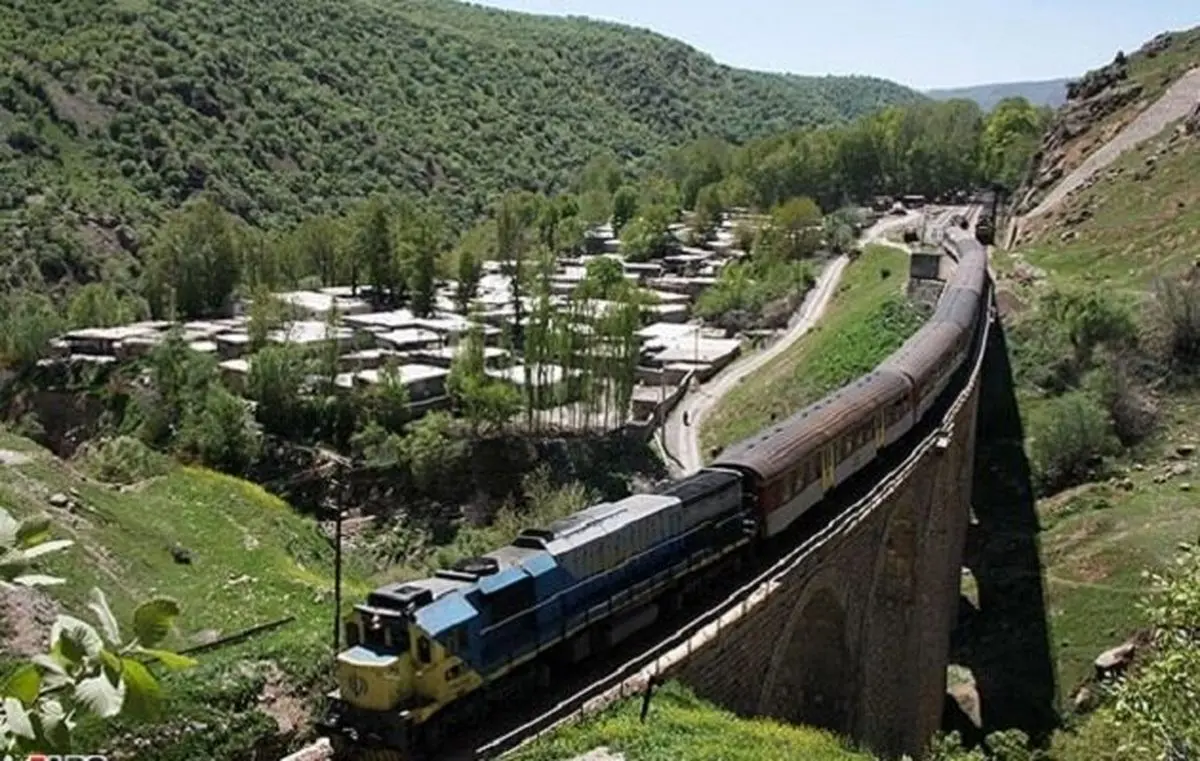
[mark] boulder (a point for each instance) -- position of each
(1191, 124)
(1115, 661)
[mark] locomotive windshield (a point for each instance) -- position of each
(380, 630)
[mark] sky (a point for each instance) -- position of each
(921, 43)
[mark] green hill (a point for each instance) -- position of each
(112, 110)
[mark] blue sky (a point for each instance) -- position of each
(921, 43)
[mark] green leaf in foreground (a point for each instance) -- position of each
(152, 620)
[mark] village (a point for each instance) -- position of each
(674, 348)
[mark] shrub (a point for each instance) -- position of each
(221, 433)
(1130, 407)
(1070, 436)
(1177, 303)
(122, 460)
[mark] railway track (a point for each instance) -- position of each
(626, 669)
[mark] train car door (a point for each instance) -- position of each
(828, 467)
(881, 427)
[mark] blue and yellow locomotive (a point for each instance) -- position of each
(427, 656)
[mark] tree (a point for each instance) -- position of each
(318, 248)
(267, 314)
(795, 229)
(28, 322)
(376, 253)
(387, 402)
(605, 279)
(511, 224)
(601, 174)
(195, 262)
(485, 402)
(422, 243)
(469, 274)
(624, 207)
(1155, 710)
(100, 305)
(276, 379)
(1011, 135)
(179, 379)
(221, 432)
(841, 229)
(709, 208)
(648, 236)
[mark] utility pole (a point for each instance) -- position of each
(337, 580)
(334, 499)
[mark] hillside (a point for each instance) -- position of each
(1049, 92)
(250, 560)
(1100, 105)
(1099, 299)
(111, 111)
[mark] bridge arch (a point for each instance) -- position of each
(812, 674)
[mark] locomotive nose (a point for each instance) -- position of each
(372, 681)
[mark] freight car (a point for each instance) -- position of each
(430, 656)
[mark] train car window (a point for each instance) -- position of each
(424, 651)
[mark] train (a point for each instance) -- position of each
(985, 225)
(431, 657)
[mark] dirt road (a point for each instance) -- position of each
(682, 442)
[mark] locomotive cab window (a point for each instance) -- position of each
(352, 634)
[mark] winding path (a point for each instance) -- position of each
(682, 442)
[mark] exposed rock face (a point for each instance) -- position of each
(1157, 45)
(1078, 116)
(1098, 80)
(1191, 125)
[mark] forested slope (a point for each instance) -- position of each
(112, 110)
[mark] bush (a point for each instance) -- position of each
(1130, 407)
(745, 290)
(122, 460)
(435, 453)
(1070, 437)
(221, 434)
(1177, 303)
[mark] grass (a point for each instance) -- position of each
(682, 727)
(867, 319)
(253, 560)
